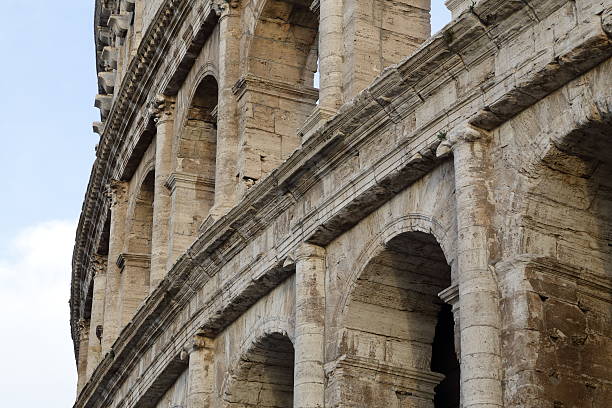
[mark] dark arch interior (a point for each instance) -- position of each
(444, 360)
(396, 320)
(264, 377)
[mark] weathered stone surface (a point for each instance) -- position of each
(436, 232)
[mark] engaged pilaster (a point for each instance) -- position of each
(227, 121)
(201, 372)
(478, 292)
(117, 191)
(94, 355)
(83, 331)
(309, 375)
(162, 110)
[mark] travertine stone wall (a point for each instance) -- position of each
(377, 34)
(176, 395)
(555, 294)
(275, 93)
(118, 208)
(96, 325)
(436, 233)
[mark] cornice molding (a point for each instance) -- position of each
(251, 82)
(131, 259)
(188, 180)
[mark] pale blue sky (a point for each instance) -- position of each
(48, 83)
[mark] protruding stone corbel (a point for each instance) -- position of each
(104, 103)
(119, 24)
(105, 35)
(117, 191)
(109, 58)
(128, 5)
(98, 127)
(107, 81)
(162, 108)
(463, 133)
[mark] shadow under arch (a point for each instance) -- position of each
(263, 374)
(397, 336)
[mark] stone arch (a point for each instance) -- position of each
(561, 244)
(262, 375)
(407, 223)
(282, 43)
(135, 260)
(196, 148)
(141, 229)
(276, 93)
(392, 320)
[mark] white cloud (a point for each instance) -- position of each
(38, 367)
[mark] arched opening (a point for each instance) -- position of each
(197, 155)
(264, 376)
(399, 336)
(284, 46)
(276, 94)
(135, 261)
(198, 151)
(139, 239)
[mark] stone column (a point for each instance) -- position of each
(331, 51)
(227, 123)
(94, 355)
(309, 375)
(200, 389)
(478, 290)
(118, 192)
(163, 111)
(83, 332)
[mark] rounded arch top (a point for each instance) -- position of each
(282, 37)
(387, 238)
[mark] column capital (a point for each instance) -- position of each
(162, 108)
(308, 251)
(464, 133)
(224, 8)
(117, 191)
(98, 265)
(83, 329)
(450, 295)
(199, 341)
